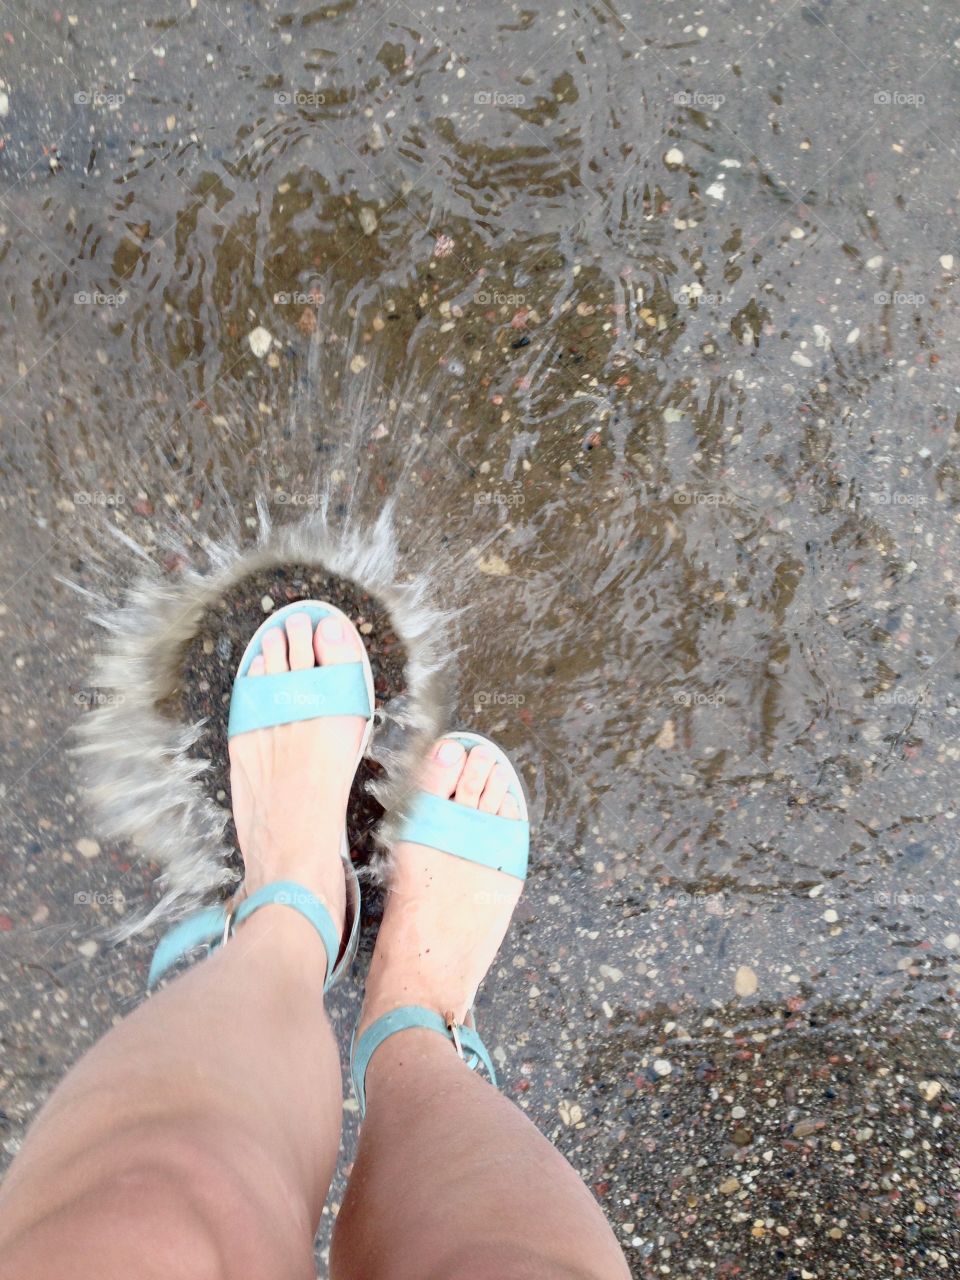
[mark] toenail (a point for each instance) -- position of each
(448, 752)
(331, 628)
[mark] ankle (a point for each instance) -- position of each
(413, 1060)
(285, 941)
(313, 864)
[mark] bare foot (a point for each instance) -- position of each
(290, 783)
(445, 917)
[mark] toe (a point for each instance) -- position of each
(274, 648)
(479, 766)
(496, 788)
(441, 772)
(510, 807)
(257, 667)
(300, 641)
(335, 640)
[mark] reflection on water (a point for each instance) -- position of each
(650, 319)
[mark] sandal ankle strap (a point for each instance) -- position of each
(464, 1039)
(212, 927)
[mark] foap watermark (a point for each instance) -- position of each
(97, 498)
(700, 498)
(696, 698)
(313, 298)
(94, 298)
(497, 698)
(99, 98)
(903, 698)
(899, 299)
(97, 698)
(98, 898)
(512, 497)
(494, 98)
(295, 898)
(696, 293)
(494, 898)
(896, 98)
(896, 498)
(712, 904)
(287, 499)
(299, 98)
(701, 101)
(283, 698)
(889, 898)
(487, 296)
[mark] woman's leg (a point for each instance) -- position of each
(453, 1182)
(198, 1138)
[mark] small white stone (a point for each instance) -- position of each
(816, 891)
(930, 1089)
(797, 233)
(260, 341)
(853, 335)
(674, 156)
(717, 190)
(89, 948)
(368, 220)
(799, 358)
(830, 916)
(875, 262)
(662, 1066)
(952, 942)
(946, 261)
(4, 103)
(266, 604)
(493, 566)
(358, 364)
(570, 1112)
(87, 848)
(745, 981)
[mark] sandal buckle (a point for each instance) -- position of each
(228, 923)
(453, 1027)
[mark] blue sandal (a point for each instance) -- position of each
(502, 844)
(260, 702)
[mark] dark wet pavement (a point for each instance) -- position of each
(649, 317)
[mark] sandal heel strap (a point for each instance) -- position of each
(465, 1039)
(202, 929)
(211, 927)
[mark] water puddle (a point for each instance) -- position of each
(642, 327)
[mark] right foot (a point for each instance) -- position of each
(445, 917)
(290, 783)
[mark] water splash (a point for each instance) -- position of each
(144, 783)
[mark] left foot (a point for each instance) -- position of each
(291, 783)
(445, 917)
